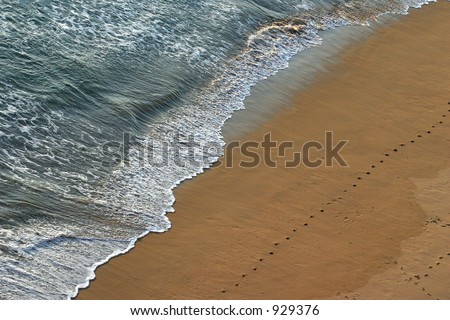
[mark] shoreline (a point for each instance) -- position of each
(275, 93)
(211, 246)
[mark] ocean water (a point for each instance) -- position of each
(106, 107)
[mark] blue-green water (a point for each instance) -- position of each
(76, 75)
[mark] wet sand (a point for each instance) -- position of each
(377, 229)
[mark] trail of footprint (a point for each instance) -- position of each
(387, 154)
(416, 279)
(359, 178)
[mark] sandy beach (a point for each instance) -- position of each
(377, 229)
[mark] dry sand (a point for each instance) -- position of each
(323, 233)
